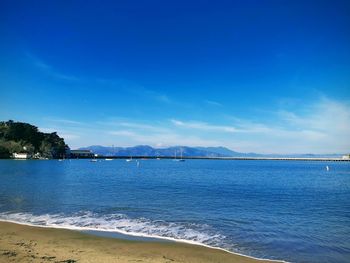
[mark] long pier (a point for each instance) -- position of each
(322, 159)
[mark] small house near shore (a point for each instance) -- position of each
(21, 155)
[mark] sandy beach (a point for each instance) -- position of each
(20, 243)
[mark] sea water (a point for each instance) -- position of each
(295, 211)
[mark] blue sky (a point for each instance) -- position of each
(254, 76)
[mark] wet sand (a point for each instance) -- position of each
(20, 243)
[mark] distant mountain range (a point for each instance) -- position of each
(146, 150)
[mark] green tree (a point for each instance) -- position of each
(4, 152)
(46, 149)
(23, 137)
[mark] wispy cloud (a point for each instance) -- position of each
(213, 103)
(125, 123)
(135, 89)
(48, 69)
(320, 127)
(64, 121)
(162, 139)
(325, 125)
(74, 132)
(136, 125)
(327, 115)
(124, 133)
(67, 135)
(203, 126)
(156, 95)
(239, 127)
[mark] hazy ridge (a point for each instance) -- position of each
(220, 151)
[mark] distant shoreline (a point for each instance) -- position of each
(325, 159)
(320, 159)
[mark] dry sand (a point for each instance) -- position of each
(19, 243)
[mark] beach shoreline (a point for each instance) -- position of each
(24, 243)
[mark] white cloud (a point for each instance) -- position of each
(67, 135)
(213, 103)
(327, 115)
(321, 127)
(135, 89)
(161, 139)
(203, 126)
(142, 126)
(64, 121)
(161, 97)
(48, 69)
(124, 133)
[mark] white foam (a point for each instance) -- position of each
(190, 233)
(117, 223)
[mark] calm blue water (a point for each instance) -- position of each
(295, 211)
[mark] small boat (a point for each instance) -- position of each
(327, 168)
(108, 159)
(179, 160)
(129, 160)
(93, 160)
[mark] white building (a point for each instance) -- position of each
(21, 155)
(346, 157)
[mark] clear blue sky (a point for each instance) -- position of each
(262, 76)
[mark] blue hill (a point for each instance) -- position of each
(146, 150)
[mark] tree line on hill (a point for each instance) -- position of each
(19, 137)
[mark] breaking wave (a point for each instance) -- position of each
(120, 223)
(199, 234)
